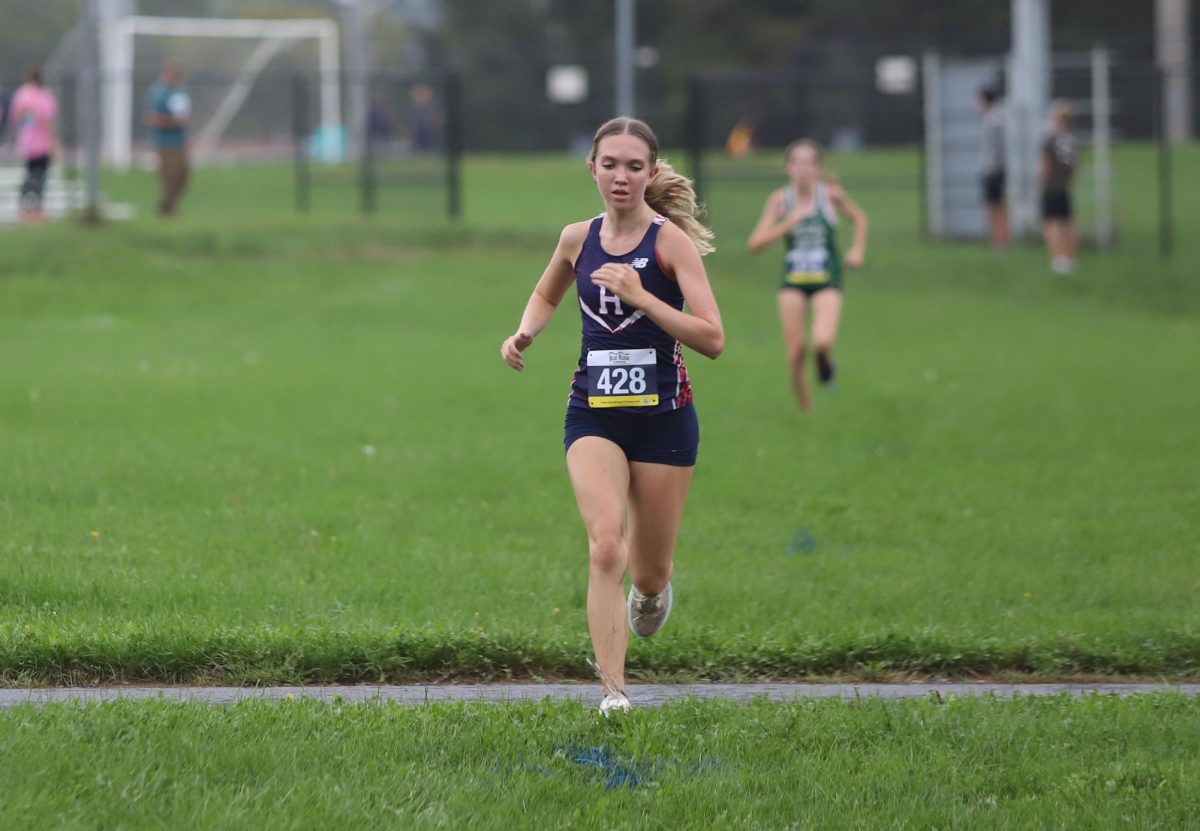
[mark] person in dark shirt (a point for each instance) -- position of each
(991, 166)
(168, 109)
(1054, 176)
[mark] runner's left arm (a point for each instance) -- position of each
(848, 208)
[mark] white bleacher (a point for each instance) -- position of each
(60, 198)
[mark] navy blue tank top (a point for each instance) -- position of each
(627, 363)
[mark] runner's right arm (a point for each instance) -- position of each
(547, 294)
(770, 227)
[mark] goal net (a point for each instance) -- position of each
(238, 74)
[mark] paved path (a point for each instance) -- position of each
(640, 694)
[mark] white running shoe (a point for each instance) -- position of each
(1062, 265)
(614, 702)
(648, 614)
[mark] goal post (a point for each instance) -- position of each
(1101, 148)
(118, 54)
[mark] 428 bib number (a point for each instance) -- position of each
(622, 378)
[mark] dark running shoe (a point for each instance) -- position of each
(825, 368)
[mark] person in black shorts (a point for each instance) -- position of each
(1057, 167)
(631, 433)
(991, 167)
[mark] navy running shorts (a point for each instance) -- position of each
(670, 438)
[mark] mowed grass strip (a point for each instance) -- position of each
(1097, 762)
(250, 446)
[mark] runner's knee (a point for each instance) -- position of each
(606, 550)
(796, 352)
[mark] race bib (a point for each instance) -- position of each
(622, 378)
(807, 267)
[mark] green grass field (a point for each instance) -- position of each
(1054, 763)
(252, 447)
(248, 446)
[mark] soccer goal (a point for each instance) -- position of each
(268, 38)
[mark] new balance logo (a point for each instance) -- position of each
(639, 262)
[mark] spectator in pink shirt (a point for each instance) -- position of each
(32, 110)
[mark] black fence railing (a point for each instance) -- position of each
(410, 141)
(729, 111)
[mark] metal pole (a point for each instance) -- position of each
(1173, 47)
(625, 39)
(922, 160)
(453, 141)
(695, 133)
(1165, 218)
(931, 70)
(1101, 160)
(367, 167)
(1028, 100)
(89, 111)
(118, 89)
(330, 123)
(115, 58)
(300, 129)
(72, 105)
(357, 62)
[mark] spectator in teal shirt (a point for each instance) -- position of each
(168, 108)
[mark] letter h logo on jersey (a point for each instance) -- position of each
(605, 299)
(610, 305)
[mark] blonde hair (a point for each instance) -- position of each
(668, 193)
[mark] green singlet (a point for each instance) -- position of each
(812, 262)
